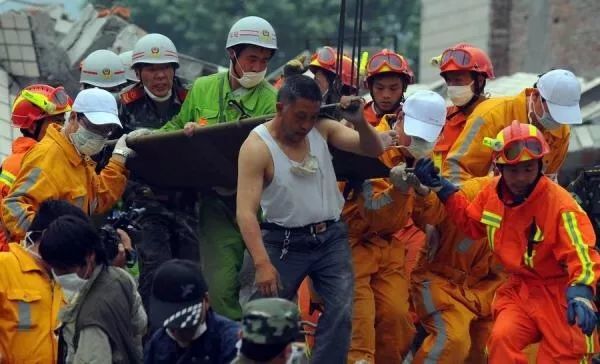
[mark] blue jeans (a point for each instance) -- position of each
(326, 258)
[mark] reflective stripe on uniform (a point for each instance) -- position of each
(528, 259)
(491, 232)
(491, 219)
(24, 309)
(372, 203)
(440, 339)
(586, 276)
(589, 344)
(12, 201)
(454, 160)
(7, 178)
(464, 245)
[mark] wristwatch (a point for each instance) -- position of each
(122, 152)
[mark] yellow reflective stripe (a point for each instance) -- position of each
(532, 130)
(491, 231)
(539, 235)
(7, 177)
(437, 160)
(589, 343)
(489, 218)
(529, 259)
(570, 223)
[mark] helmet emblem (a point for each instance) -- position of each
(155, 51)
(106, 73)
(265, 36)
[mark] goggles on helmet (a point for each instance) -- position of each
(461, 57)
(58, 99)
(325, 56)
(515, 151)
(394, 61)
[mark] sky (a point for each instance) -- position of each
(72, 7)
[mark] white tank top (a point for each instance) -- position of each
(294, 201)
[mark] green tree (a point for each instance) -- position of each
(199, 28)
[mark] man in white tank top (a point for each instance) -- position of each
(286, 169)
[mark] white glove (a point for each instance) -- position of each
(140, 132)
(122, 149)
(399, 178)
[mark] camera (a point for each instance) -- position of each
(126, 221)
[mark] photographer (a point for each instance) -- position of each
(103, 320)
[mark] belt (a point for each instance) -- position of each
(315, 228)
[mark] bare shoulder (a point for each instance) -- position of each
(327, 126)
(255, 151)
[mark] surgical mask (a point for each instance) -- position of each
(201, 329)
(158, 98)
(28, 245)
(85, 141)
(71, 284)
(308, 167)
(460, 95)
(544, 120)
(249, 79)
(419, 148)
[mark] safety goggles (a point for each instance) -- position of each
(461, 58)
(394, 61)
(325, 56)
(513, 152)
(58, 99)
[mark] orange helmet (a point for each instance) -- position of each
(465, 57)
(518, 143)
(387, 61)
(36, 102)
(326, 59)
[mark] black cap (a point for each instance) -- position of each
(178, 289)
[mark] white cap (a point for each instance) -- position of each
(129, 72)
(98, 105)
(424, 115)
(562, 91)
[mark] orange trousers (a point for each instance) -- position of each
(382, 329)
(526, 312)
(457, 318)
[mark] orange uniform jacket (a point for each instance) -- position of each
(9, 170)
(547, 237)
(53, 169)
(29, 305)
(468, 157)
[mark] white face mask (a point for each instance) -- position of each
(544, 120)
(87, 142)
(308, 167)
(419, 148)
(158, 98)
(71, 284)
(248, 79)
(28, 245)
(460, 95)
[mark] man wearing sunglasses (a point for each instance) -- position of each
(455, 269)
(241, 92)
(545, 242)
(34, 109)
(551, 105)
(59, 166)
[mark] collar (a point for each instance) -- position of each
(23, 144)
(26, 261)
(54, 132)
(248, 97)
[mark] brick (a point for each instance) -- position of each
(17, 68)
(25, 37)
(21, 21)
(7, 20)
(14, 52)
(28, 53)
(32, 69)
(11, 36)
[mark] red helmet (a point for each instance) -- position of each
(518, 143)
(326, 59)
(36, 102)
(387, 61)
(465, 57)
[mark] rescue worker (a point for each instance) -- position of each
(240, 92)
(388, 76)
(190, 331)
(32, 113)
(169, 222)
(29, 296)
(284, 167)
(269, 327)
(382, 328)
(545, 242)
(453, 284)
(323, 66)
(59, 166)
(103, 69)
(103, 320)
(541, 106)
(159, 94)
(130, 75)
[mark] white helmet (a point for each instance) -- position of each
(129, 72)
(102, 68)
(154, 49)
(252, 30)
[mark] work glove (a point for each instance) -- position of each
(580, 308)
(429, 175)
(294, 67)
(121, 147)
(399, 178)
(351, 109)
(140, 132)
